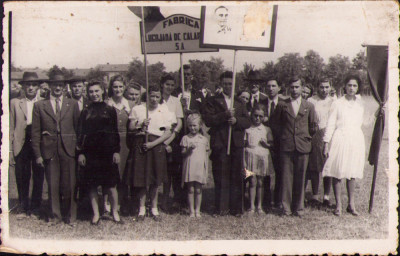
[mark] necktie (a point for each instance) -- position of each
(58, 110)
(271, 111)
(254, 102)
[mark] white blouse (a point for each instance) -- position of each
(161, 119)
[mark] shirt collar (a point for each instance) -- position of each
(298, 100)
(36, 98)
(124, 104)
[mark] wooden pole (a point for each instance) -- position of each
(371, 197)
(228, 150)
(145, 69)
(183, 90)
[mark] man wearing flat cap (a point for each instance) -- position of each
(20, 145)
(254, 82)
(54, 126)
(77, 86)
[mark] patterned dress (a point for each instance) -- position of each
(195, 165)
(257, 158)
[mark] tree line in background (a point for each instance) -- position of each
(311, 68)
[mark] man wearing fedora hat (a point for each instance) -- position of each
(254, 81)
(77, 86)
(54, 126)
(20, 149)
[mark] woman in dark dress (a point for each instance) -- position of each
(99, 148)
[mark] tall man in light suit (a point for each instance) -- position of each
(54, 141)
(295, 122)
(20, 147)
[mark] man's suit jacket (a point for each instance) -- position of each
(215, 117)
(197, 100)
(86, 102)
(294, 132)
(18, 118)
(44, 128)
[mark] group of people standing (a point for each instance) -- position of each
(112, 139)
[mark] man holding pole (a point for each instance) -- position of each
(227, 168)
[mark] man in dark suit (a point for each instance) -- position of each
(272, 89)
(194, 95)
(254, 82)
(227, 169)
(295, 123)
(77, 86)
(54, 125)
(20, 145)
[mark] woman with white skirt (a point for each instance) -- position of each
(344, 144)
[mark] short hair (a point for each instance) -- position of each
(94, 82)
(242, 91)
(153, 88)
(166, 78)
(296, 78)
(353, 76)
(259, 106)
(113, 79)
(134, 85)
(194, 117)
(325, 80)
(220, 7)
(226, 74)
(309, 86)
(273, 78)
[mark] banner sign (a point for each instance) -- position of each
(239, 27)
(175, 34)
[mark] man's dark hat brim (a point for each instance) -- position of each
(254, 76)
(29, 77)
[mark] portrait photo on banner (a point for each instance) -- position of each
(246, 27)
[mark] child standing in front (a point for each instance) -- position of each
(257, 158)
(195, 149)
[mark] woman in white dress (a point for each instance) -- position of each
(344, 142)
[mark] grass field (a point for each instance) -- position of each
(316, 224)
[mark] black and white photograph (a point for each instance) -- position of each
(200, 127)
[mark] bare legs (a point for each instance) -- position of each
(256, 188)
(350, 184)
(154, 201)
(194, 198)
(94, 200)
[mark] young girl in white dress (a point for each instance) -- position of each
(344, 143)
(195, 151)
(257, 158)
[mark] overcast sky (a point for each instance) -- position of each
(82, 35)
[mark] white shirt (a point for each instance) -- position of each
(175, 106)
(275, 100)
(296, 104)
(187, 95)
(29, 109)
(53, 102)
(255, 97)
(322, 107)
(80, 103)
(227, 100)
(161, 118)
